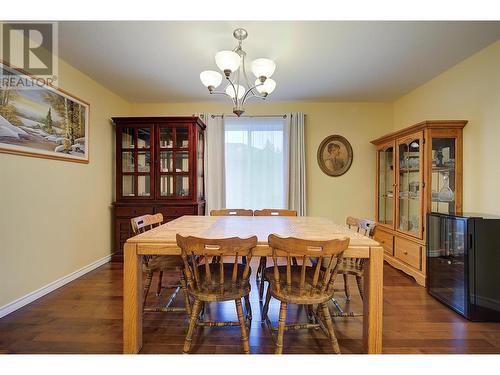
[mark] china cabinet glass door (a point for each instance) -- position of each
(136, 169)
(410, 177)
(199, 167)
(386, 185)
(443, 175)
(174, 162)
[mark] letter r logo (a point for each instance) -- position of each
(29, 46)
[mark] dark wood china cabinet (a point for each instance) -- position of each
(159, 169)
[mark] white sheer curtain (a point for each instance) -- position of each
(256, 162)
(296, 192)
(214, 162)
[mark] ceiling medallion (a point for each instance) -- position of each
(238, 88)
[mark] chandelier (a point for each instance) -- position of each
(238, 88)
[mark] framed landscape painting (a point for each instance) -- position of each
(40, 120)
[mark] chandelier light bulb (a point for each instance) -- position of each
(211, 79)
(227, 61)
(263, 68)
(265, 88)
(232, 94)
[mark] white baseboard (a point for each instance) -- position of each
(30, 297)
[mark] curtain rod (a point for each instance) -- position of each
(248, 116)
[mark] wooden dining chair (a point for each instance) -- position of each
(354, 266)
(306, 284)
(160, 264)
(231, 212)
(217, 282)
(263, 260)
(234, 212)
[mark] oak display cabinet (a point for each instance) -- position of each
(159, 169)
(419, 170)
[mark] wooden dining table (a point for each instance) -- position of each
(162, 241)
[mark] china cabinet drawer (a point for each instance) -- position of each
(176, 211)
(132, 211)
(123, 231)
(409, 252)
(386, 240)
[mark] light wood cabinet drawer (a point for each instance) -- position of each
(409, 252)
(386, 240)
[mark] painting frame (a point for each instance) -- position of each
(343, 148)
(19, 149)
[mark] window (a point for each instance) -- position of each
(256, 161)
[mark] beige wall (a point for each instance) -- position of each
(469, 91)
(333, 197)
(55, 216)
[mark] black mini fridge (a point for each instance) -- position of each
(463, 263)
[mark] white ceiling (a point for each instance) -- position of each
(153, 61)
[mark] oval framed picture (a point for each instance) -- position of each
(335, 155)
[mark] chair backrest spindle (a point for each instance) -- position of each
(328, 250)
(144, 223)
(195, 250)
(303, 274)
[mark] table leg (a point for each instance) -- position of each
(132, 300)
(373, 301)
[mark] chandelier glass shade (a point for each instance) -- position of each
(227, 61)
(211, 78)
(240, 91)
(238, 88)
(263, 68)
(267, 87)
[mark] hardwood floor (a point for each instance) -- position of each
(85, 316)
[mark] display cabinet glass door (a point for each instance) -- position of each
(410, 176)
(443, 175)
(200, 184)
(386, 185)
(136, 161)
(174, 162)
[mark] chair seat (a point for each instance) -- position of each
(163, 263)
(212, 291)
(308, 295)
(351, 267)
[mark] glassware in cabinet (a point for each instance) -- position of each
(444, 175)
(409, 205)
(385, 187)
